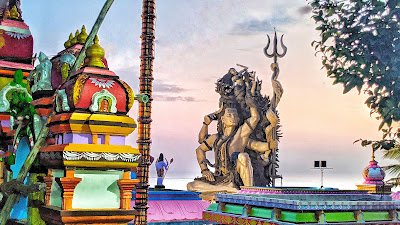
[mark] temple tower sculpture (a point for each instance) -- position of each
(16, 136)
(88, 166)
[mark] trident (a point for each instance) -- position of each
(278, 91)
(275, 53)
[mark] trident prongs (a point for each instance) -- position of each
(275, 53)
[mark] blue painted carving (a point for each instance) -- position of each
(61, 101)
(20, 209)
(43, 74)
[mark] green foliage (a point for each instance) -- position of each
(361, 49)
(394, 169)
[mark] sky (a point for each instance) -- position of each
(196, 43)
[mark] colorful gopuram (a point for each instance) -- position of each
(17, 130)
(16, 53)
(88, 166)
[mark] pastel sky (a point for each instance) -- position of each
(196, 43)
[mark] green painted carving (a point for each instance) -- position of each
(67, 61)
(14, 86)
(99, 99)
(14, 98)
(61, 101)
(43, 74)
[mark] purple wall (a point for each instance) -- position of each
(78, 138)
(117, 140)
(5, 123)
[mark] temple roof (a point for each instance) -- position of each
(174, 205)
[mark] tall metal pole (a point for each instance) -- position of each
(144, 121)
(322, 178)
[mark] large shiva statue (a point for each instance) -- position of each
(245, 144)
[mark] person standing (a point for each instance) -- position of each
(161, 166)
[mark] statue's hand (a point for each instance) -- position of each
(250, 101)
(265, 156)
(208, 175)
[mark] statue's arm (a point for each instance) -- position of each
(204, 129)
(203, 134)
(31, 75)
(201, 156)
(251, 123)
(261, 146)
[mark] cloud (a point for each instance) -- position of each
(253, 25)
(160, 86)
(164, 98)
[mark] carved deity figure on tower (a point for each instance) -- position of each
(42, 74)
(242, 149)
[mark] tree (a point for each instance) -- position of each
(360, 48)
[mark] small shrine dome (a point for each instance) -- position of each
(94, 88)
(373, 173)
(16, 41)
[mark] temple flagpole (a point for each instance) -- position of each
(144, 120)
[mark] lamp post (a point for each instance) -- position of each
(321, 165)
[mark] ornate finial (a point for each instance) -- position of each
(75, 39)
(68, 43)
(14, 13)
(82, 36)
(95, 53)
(373, 173)
(373, 155)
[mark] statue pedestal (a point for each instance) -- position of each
(204, 187)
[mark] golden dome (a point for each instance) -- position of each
(82, 36)
(68, 44)
(95, 54)
(13, 14)
(75, 39)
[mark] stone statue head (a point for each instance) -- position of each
(230, 118)
(232, 71)
(68, 58)
(42, 57)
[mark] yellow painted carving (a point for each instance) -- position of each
(2, 41)
(131, 95)
(13, 14)
(100, 129)
(78, 87)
